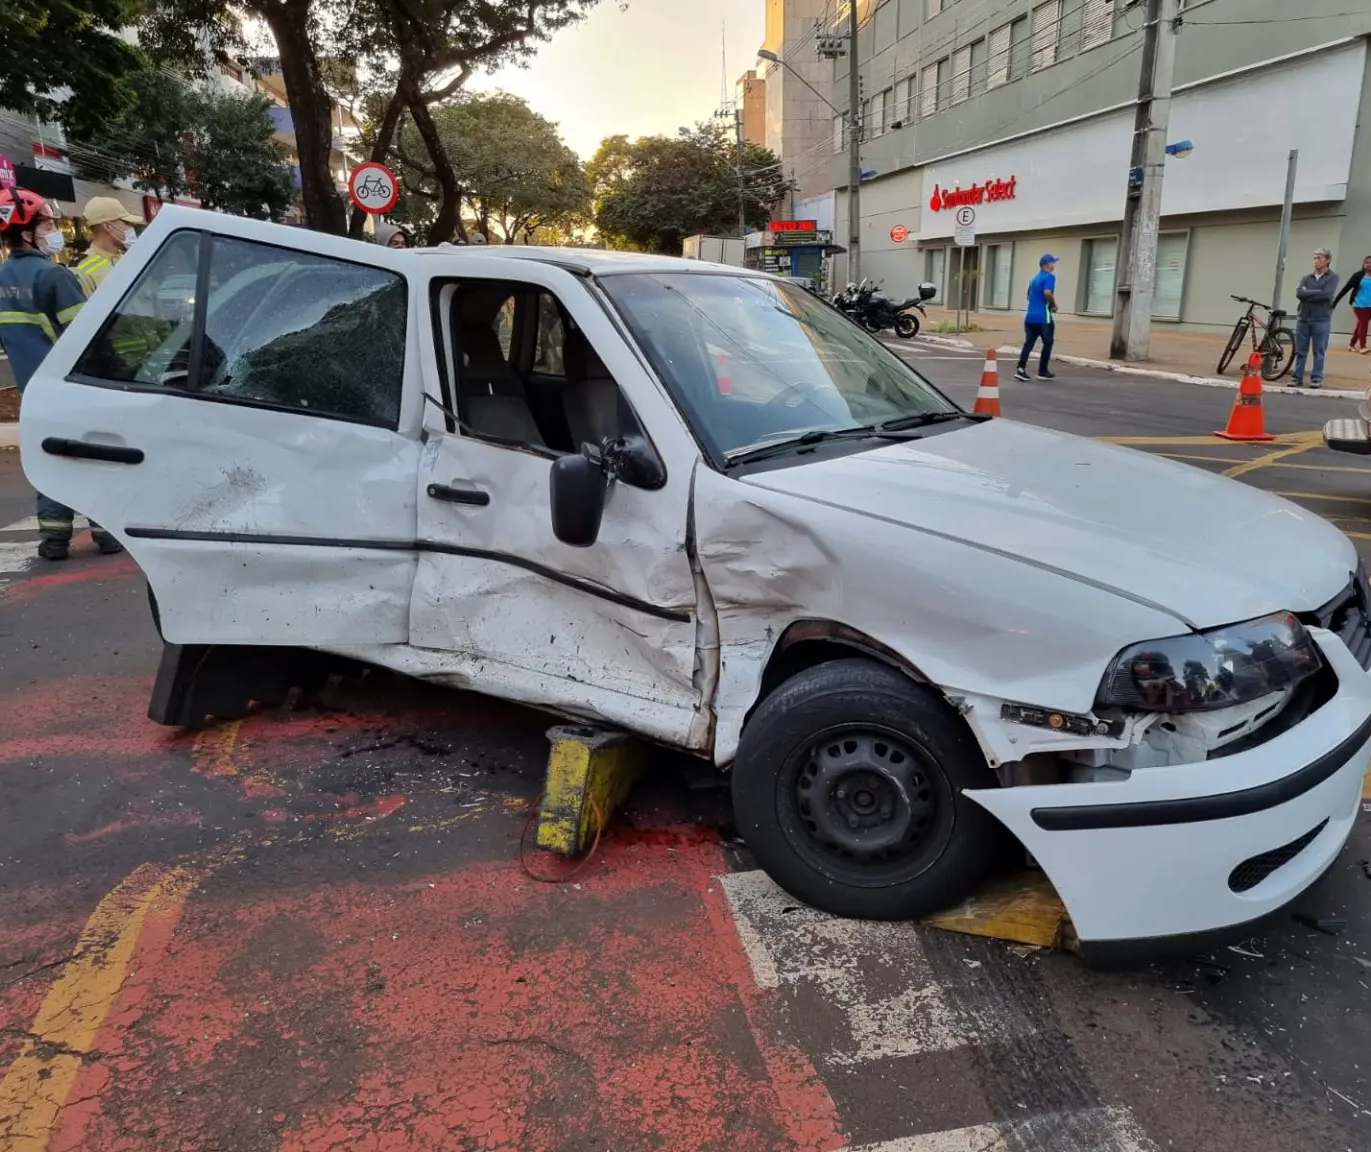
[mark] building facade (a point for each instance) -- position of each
(1023, 110)
(798, 114)
(750, 99)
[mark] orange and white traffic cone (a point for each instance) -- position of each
(1247, 420)
(721, 376)
(988, 395)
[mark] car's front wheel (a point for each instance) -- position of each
(848, 789)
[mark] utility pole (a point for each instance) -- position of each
(1287, 211)
(1137, 271)
(854, 150)
(742, 176)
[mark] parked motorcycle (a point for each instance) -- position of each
(876, 312)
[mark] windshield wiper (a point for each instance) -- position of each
(812, 438)
(923, 419)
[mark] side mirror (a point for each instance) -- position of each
(578, 499)
(633, 461)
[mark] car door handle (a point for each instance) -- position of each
(453, 495)
(84, 450)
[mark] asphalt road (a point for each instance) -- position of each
(312, 930)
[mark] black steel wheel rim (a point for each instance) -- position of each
(865, 805)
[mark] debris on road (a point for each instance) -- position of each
(1328, 925)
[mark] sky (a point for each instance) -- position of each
(648, 69)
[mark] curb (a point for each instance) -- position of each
(9, 435)
(1186, 378)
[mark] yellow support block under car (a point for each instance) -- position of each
(1022, 908)
(590, 771)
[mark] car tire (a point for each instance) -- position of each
(848, 789)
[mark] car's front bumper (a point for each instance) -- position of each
(1148, 864)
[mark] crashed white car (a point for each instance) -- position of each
(699, 505)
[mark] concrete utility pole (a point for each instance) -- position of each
(742, 176)
(854, 150)
(1287, 211)
(1137, 271)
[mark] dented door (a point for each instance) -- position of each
(241, 415)
(606, 631)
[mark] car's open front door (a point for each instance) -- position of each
(235, 404)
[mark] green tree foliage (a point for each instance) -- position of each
(514, 173)
(652, 193)
(238, 167)
(174, 139)
(52, 46)
(417, 53)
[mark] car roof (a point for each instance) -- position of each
(593, 261)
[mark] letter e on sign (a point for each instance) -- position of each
(372, 187)
(899, 233)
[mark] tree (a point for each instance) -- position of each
(238, 167)
(512, 168)
(174, 139)
(419, 52)
(61, 60)
(653, 193)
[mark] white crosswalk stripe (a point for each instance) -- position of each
(1093, 1130)
(876, 972)
(29, 525)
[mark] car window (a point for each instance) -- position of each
(555, 398)
(752, 359)
(281, 327)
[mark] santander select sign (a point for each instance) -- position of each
(987, 193)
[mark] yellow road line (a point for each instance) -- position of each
(1182, 441)
(1305, 441)
(213, 751)
(1325, 496)
(37, 1085)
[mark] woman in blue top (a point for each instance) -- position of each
(1037, 320)
(1358, 286)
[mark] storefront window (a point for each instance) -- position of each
(999, 260)
(1101, 257)
(935, 264)
(1172, 248)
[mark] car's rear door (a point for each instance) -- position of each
(236, 405)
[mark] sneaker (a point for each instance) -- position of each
(1021, 374)
(108, 545)
(1047, 375)
(1316, 383)
(1297, 383)
(54, 549)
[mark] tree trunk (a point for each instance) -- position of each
(311, 112)
(380, 149)
(448, 220)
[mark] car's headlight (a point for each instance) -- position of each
(1208, 670)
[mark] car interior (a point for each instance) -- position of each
(524, 373)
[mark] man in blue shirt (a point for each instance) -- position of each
(1038, 319)
(38, 299)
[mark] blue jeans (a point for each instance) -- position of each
(1311, 332)
(1033, 332)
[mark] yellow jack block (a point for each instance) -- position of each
(590, 772)
(1022, 908)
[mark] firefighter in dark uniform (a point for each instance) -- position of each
(38, 299)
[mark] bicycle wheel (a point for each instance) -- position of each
(1278, 353)
(1234, 343)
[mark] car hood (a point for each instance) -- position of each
(1203, 548)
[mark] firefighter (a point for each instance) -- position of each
(38, 299)
(111, 229)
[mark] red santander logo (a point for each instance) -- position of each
(990, 192)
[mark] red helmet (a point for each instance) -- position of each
(20, 208)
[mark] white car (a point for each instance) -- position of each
(903, 629)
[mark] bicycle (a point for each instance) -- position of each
(1276, 347)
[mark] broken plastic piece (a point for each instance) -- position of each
(1329, 925)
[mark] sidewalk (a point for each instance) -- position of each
(1192, 355)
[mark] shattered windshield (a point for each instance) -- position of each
(754, 361)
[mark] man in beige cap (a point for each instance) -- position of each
(111, 229)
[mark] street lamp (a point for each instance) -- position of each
(852, 123)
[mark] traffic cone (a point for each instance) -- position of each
(988, 395)
(1247, 421)
(721, 376)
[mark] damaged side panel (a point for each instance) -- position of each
(999, 629)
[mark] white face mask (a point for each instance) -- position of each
(53, 242)
(129, 237)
